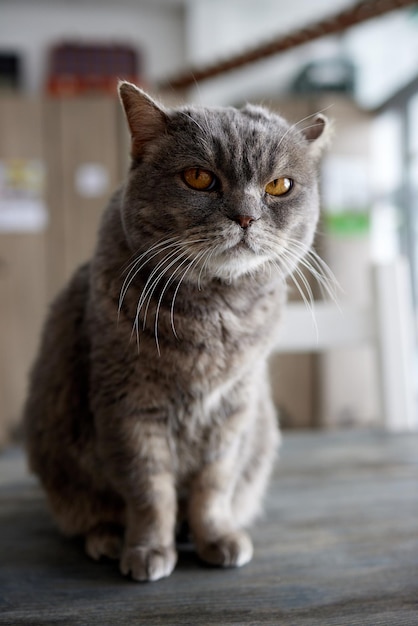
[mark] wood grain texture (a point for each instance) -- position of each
(338, 546)
(63, 134)
(79, 132)
(23, 299)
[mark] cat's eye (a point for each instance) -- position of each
(199, 179)
(279, 186)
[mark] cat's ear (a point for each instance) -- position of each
(318, 133)
(146, 119)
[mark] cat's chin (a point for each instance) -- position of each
(230, 267)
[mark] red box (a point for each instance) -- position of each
(76, 69)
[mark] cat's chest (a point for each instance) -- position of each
(237, 325)
(224, 345)
(202, 344)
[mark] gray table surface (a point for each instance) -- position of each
(338, 545)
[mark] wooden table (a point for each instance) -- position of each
(338, 546)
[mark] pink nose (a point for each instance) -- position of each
(244, 220)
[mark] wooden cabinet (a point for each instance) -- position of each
(22, 265)
(83, 157)
(77, 142)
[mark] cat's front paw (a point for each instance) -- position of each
(231, 550)
(144, 563)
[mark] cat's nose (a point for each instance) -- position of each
(244, 220)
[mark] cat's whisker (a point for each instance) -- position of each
(148, 283)
(136, 329)
(305, 262)
(171, 258)
(319, 269)
(268, 265)
(153, 280)
(198, 258)
(156, 249)
(322, 283)
(137, 258)
(135, 326)
(134, 257)
(308, 290)
(209, 253)
(307, 299)
(326, 287)
(204, 256)
(170, 278)
(324, 269)
(194, 261)
(141, 261)
(275, 266)
(157, 310)
(306, 257)
(135, 332)
(289, 263)
(181, 249)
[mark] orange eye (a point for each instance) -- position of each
(279, 186)
(199, 179)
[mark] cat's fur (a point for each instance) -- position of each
(149, 401)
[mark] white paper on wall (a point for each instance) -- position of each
(22, 187)
(91, 180)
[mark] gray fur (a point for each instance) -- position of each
(149, 401)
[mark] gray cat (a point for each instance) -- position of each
(149, 402)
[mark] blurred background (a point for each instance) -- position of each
(64, 148)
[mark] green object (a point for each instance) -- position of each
(414, 12)
(348, 223)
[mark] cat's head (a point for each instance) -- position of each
(229, 190)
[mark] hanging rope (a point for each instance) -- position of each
(360, 12)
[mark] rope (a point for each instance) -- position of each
(360, 12)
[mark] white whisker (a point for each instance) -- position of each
(319, 270)
(307, 299)
(177, 289)
(209, 254)
(175, 253)
(170, 279)
(154, 278)
(136, 266)
(298, 253)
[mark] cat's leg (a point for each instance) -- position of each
(258, 461)
(136, 454)
(219, 539)
(149, 550)
(227, 494)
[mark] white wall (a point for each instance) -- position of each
(218, 28)
(31, 27)
(384, 49)
(385, 52)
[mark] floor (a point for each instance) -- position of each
(338, 546)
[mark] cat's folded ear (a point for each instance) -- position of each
(318, 133)
(146, 119)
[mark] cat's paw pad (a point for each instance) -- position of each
(232, 550)
(104, 541)
(148, 563)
